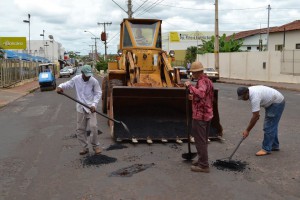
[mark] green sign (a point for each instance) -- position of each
(13, 42)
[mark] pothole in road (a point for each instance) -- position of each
(115, 147)
(133, 169)
(232, 165)
(96, 160)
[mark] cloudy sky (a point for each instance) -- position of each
(67, 20)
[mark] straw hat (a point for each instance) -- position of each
(196, 67)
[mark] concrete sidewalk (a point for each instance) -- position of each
(8, 95)
(285, 86)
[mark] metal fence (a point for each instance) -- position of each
(15, 71)
(290, 62)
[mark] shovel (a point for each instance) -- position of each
(189, 155)
(119, 122)
(229, 163)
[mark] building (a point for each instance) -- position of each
(49, 49)
(285, 37)
(180, 41)
(282, 37)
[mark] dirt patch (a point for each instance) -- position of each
(232, 165)
(115, 147)
(96, 160)
(133, 169)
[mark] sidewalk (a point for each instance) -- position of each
(286, 86)
(8, 95)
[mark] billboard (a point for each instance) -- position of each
(13, 42)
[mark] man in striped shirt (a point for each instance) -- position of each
(273, 102)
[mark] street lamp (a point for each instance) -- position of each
(43, 41)
(28, 21)
(52, 41)
(45, 46)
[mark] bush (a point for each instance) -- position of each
(101, 65)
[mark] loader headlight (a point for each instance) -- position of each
(172, 53)
(120, 52)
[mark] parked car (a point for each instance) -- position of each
(211, 73)
(71, 69)
(182, 72)
(64, 72)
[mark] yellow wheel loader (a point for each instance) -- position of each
(144, 91)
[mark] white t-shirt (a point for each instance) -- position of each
(263, 96)
(88, 92)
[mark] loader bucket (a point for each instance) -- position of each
(149, 112)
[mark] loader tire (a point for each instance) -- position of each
(114, 82)
(104, 95)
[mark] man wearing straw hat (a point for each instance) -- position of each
(202, 104)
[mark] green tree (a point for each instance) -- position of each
(191, 54)
(225, 45)
(102, 64)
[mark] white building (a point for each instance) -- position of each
(180, 41)
(285, 36)
(49, 49)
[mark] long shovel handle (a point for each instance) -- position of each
(188, 117)
(236, 148)
(119, 122)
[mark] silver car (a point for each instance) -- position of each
(64, 72)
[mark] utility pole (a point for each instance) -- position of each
(269, 9)
(96, 54)
(216, 50)
(92, 52)
(129, 6)
(104, 38)
(28, 21)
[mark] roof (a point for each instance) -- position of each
(244, 34)
(295, 25)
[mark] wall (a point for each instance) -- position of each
(291, 38)
(249, 66)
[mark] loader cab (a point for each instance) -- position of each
(141, 33)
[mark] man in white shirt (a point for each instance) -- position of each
(273, 102)
(88, 91)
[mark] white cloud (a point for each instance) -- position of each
(67, 20)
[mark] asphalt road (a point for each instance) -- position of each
(39, 157)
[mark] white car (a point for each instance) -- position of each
(211, 73)
(64, 72)
(71, 69)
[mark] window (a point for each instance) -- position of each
(126, 41)
(298, 46)
(248, 48)
(278, 47)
